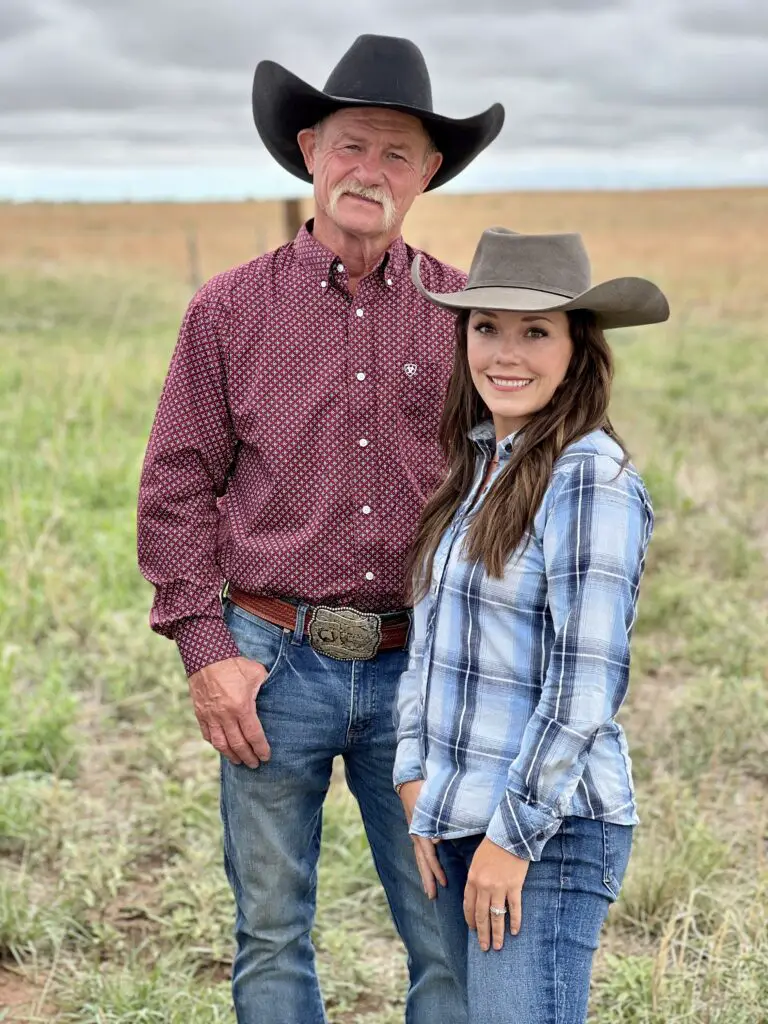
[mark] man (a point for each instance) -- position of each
(293, 448)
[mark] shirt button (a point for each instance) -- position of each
(359, 312)
(366, 510)
(323, 284)
(369, 575)
(360, 375)
(340, 267)
(389, 281)
(363, 442)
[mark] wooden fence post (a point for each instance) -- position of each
(292, 217)
(195, 275)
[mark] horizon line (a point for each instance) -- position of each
(745, 186)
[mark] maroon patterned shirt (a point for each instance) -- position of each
(295, 440)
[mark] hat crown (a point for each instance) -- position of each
(377, 67)
(556, 263)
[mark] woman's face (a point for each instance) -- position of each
(517, 361)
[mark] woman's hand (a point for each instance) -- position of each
(409, 794)
(426, 855)
(495, 878)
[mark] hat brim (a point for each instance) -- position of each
(620, 302)
(283, 105)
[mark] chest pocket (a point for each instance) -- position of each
(421, 395)
(422, 390)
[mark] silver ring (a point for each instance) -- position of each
(498, 911)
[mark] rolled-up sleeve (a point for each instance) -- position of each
(594, 543)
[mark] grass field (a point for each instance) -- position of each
(113, 904)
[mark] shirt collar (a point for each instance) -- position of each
(317, 259)
(484, 437)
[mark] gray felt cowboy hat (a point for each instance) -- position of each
(376, 71)
(544, 273)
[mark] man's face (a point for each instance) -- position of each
(368, 165)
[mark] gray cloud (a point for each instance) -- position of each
(17, 18)
(157, 82)
(519, 9)
(734, 18)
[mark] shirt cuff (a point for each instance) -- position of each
(407, 762)
(522, 829)
(202, 640)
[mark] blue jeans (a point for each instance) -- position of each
(313, 708)
(541, 975)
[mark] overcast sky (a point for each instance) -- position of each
(141, 98)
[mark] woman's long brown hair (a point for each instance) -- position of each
(578, 406)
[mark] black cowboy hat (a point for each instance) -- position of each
(376, 71)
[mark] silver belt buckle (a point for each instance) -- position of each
(345, 633)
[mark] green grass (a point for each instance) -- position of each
(36, 723)
(112, 891)
(679, 861)
(738, 707)
(717, 977)
(166, 993)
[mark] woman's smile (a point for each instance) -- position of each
(510, 383)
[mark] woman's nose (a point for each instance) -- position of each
(510, 349)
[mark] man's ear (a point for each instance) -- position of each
(431, 167)
(307, 140)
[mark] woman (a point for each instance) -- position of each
(513, 772)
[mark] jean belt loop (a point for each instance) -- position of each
(298, 634)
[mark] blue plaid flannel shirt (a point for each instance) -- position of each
(507, 707)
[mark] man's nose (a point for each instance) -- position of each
(370, 170)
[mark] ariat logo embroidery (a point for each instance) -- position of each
(410, 369)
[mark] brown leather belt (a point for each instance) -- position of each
(341, 633)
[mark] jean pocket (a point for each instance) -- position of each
(256, 639)
(617, 846)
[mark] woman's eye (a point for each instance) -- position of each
(484, 327)
(536, 332)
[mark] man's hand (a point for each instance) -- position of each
(426, 856)
(495, 878)
(224, 698)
